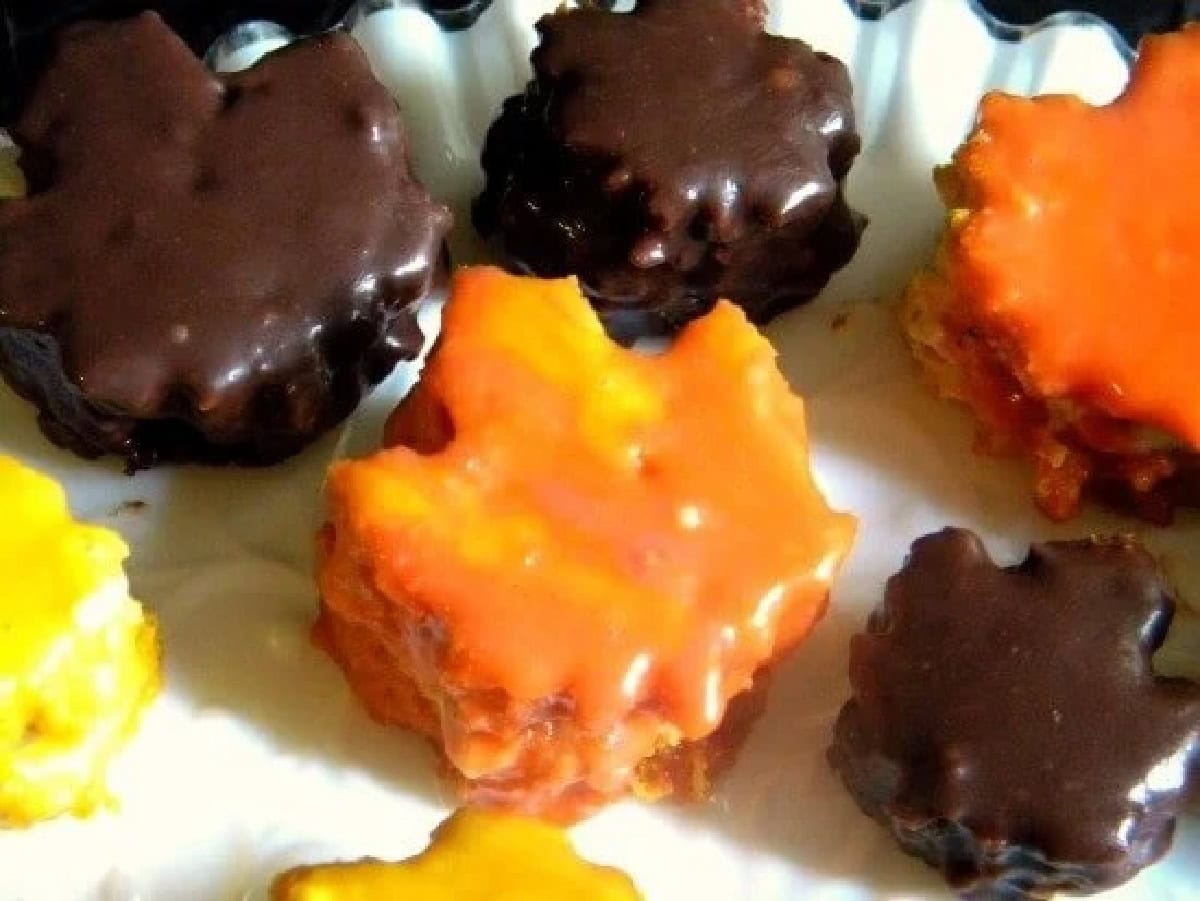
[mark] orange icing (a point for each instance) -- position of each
(637, 534)
(1079, 248)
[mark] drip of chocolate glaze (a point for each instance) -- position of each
(234, 253)
(1007, 725)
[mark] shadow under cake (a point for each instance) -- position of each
(673, 156)
(572, 566)
(209, 268)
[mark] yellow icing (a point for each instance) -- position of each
(50, 563)
(475, 856)
(12, 179)
(78, 656)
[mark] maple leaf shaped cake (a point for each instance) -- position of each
(671, 156)
(1063, 306)
(573, 565)
(28, 27)
(475, 855)
(1007, 725)
(209, 268)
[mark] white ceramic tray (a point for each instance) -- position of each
(257, 757)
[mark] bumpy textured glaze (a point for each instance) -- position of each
(1061, 308)
(475, 856)
(1007, 725)
(673, 156)
(79, 658)
(210, 268)
(544, 574)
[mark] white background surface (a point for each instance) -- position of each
(258, 758)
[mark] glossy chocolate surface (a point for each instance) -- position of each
(672, 156)
(1006, 724)
(229, 259)
(31, 26)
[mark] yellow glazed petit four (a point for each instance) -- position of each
(79, 658)
(475, 856)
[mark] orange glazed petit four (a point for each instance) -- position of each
(1063, 308)
(475, 856)
(573, 564)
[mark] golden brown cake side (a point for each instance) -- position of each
(1075, 450)
(536, 737)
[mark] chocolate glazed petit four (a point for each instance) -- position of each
(30, 26)
(672, 156)
(1007, 725)
(209, 268)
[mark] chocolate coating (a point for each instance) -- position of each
(209, 268)
(30, 28)
(1006, 724)
(672, 156)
